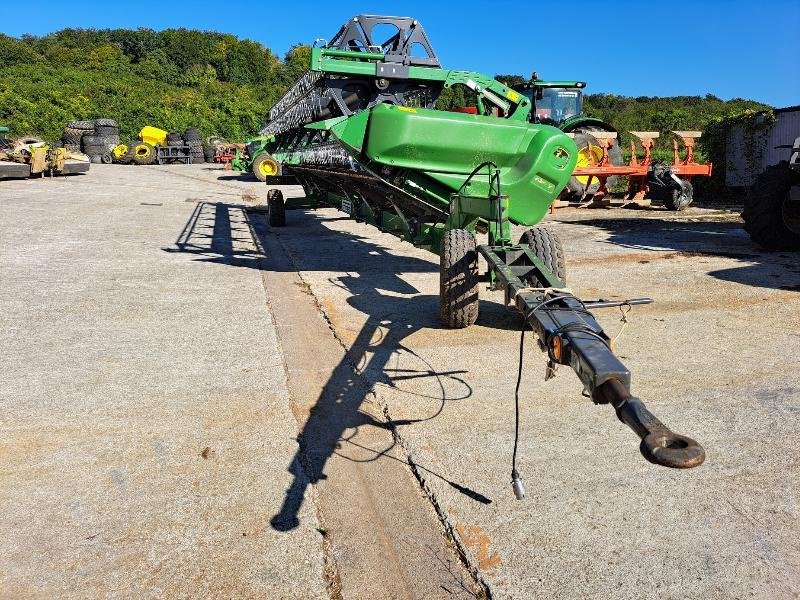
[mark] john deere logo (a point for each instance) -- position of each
(561, 157)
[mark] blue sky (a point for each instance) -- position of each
(731, 49)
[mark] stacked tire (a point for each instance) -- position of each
(74, 133)
(174, 138)
(95, 138)
(193, 139)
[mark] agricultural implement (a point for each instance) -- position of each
(254, 157)
(600, 163)
(25, 159)
(669, 183)
(359, 132)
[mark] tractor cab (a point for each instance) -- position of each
(554, 102)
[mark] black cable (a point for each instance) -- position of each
(514, 473)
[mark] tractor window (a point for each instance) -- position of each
(558, 104)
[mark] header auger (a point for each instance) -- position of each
(359, 131)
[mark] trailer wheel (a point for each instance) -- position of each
(546, 245)
(277, 209)
(458, 279)
(264, 166)
(770, 215)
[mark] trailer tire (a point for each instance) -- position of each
(458, 279)
(264, 166)
(546, 245)
(277, 209)
(768, 208)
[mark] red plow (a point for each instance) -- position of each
(670, 183)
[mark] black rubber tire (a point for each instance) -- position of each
(254, 168)
(100, 140)
(208, 154)
(458, 279)
(141, 158)
(105, 123)
(175, 143)
(82, 125)
(276, 208)
(679, 198)
(94, 150)
(192, 134)
(106, 131)
(764, 208)
(73, 136)
(106, 158)
(583, 137)
(546, 245)
(94, 159)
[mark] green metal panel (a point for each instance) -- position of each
(535, 161)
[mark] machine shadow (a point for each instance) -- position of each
(394, 310)
(775, 270)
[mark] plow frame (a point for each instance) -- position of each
(684, 167)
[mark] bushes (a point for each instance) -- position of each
(171, 79)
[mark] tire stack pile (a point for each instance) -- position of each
(95, 138)
(74, 132)
(195, 142)
(174, 138)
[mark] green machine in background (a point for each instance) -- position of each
(255, 158)
(359, 132)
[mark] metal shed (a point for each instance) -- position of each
(746, 159)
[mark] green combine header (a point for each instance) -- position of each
(359, 131)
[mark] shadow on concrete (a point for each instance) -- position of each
(394, 310)
(698, 239)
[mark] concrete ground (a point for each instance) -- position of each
(144, 414)
(133, 343)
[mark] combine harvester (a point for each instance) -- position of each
(359, 132)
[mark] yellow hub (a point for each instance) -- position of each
(268, 168)
(120, 151)
(585, 158)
